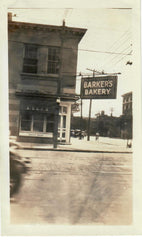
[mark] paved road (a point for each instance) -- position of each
(75, 188)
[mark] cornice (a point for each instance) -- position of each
(49, 28)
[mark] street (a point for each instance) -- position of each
(75, 188)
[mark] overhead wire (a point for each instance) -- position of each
(119, 42)
(114, 44)
(116, 57)
(79, 49)
(109, 58)
(121, 59)
(121, 37)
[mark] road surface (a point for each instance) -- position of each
(75, 188)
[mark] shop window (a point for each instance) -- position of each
(34, 122)
(53, 60)
(26, 121)
(30, 59)
(50, 123)
(38, 121)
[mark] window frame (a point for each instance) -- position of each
(30, 62)
(32, 132)
(54, 61)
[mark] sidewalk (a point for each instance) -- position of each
(104, 144)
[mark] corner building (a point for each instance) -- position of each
(42, 79)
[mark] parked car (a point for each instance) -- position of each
(78, 133)
(18, 166)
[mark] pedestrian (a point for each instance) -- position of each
(129, 143)
(97, 136)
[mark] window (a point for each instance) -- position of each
(41, 59)
(53, 60)
(30, 59)
(38, 122)
(50, 123)
(35, 122)
(26, 121)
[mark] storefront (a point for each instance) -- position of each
(38, 118)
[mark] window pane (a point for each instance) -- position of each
(30, 51)
(64, 121)
(38, 122)
(29, 69)
(63, 135)
(38, 126)
(25, 125)
(30, 59)
(59, 121)
(39, 117)
(26, 120)
(64, 109)
(49, 127)
(50, 122)
(53, 60)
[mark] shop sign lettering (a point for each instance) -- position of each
(99, 87)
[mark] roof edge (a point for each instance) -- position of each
(47, 27)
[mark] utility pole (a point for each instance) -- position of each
(59, 90)
(81, 121)
(90, 107)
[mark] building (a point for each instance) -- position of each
(127, 104)
(127, 116)
(42, 79)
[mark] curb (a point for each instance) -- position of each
(73, 150)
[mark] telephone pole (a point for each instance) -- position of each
(90, 107)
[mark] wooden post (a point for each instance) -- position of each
(59, 91)
(81, 121)
(90, 107)
(88, 130)
(55, 133)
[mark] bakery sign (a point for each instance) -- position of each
(101, 87)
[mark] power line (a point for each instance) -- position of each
(80, 49)
(121, 37)
(119, 60)
(120, 45)
(115, 57)
(117, 53)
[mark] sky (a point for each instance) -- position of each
(108, 42)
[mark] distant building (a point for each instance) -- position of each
(42, 79)
(127, 116)
(127, 104)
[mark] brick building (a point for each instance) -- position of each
(127, 116)
(42, 79)
(127, 104)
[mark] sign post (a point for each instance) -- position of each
(90, 107)
(88, 130)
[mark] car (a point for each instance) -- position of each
(18, 166)
(78, 133)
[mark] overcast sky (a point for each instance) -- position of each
(108, 30)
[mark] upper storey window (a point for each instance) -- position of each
(41, 59)
(30, 59)
(53, 60)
